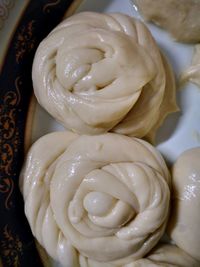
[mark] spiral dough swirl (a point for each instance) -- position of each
(99, 72)
(165, 255)
(104, 198)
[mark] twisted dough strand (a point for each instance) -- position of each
(163, 255)
(105, 198)
(94, 73)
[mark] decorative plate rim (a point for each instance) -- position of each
(17, 246)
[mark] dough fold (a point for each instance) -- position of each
(103, 199)
(99, 72)
(165, 255)
(179, 17)
(192, 73)
(185, 218)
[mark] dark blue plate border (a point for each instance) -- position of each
(17, 247)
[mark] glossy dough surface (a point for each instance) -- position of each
(165, 255)
(99, 72)
(185, 218)
(192, 73)
(95, 200)
(179, 17)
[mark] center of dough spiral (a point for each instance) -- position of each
(97, 203)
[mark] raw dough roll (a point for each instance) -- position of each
(179, 17)
(99, 72)
(166, 256)
(192, 73)
(185, 218)
(101, 198)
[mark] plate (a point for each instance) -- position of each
(22, 120)
(23, 24)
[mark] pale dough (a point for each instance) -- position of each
(179, 17)
(101, 198)
(165, 255)
(185, 217)
(192, 73)
(99, 72)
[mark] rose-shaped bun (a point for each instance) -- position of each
(185, 217)
(99, 72)
(101, 198)
(166, 256)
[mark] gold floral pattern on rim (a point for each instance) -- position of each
(12, 247)
(10, 139)
(25, 41)
(7, 187)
